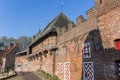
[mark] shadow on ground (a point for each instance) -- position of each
(28, 76)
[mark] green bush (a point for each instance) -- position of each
(44, 72)
(48, 75)
(55, 78)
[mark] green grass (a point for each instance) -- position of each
(48, 75)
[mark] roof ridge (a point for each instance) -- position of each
(52, 24)
(11, 49)
(49, 24)
(53, 21)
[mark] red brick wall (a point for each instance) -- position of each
(20, 60)
(51, 40)
(109, 27)
(45, 62)
(70, 52)
(105, 18)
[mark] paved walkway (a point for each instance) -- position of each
(28, 76)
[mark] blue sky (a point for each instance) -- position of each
(25, 17)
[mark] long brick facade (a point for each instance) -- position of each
(85, 51)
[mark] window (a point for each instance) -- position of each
(18, 65)
(86, 50)
(117, 44)
(100, 1)
(25, 65)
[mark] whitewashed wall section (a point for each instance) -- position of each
(64, 68)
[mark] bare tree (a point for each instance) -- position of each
(24, 41)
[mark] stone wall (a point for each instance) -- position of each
(104, 17)
(100, 29)
(109, 27)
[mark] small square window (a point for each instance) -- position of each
(18, 65)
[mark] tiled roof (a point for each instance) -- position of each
(60, 21)
(6, 51)
(22, 52)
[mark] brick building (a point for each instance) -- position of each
(8, 57)
(21, 62)
(87, 50)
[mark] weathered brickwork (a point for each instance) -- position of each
(21, 62)
(85, 51)
(8, 57)
(109, 27)
(45, 62)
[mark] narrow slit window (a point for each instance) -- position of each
(100, 1)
